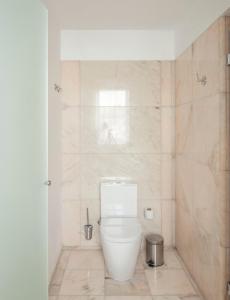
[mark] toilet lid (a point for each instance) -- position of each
(120, 230)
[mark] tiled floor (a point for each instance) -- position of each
(81, 275)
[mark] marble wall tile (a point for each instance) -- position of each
(184, 128)
(205, 201)
(141, 168)
(224, 117)
(206, 62)
(83, 282)
(167, 221)
(211, 261)
(70, 130)
(184, 182)
(118, 117)
(184, 78)
(167, 129)
(184, 234)
(71, 223)
(222, 180)
(202, 162)
(71, 176)
(206, 127)
(120, 129)
(167, 83)
(153, 225)
(167, 176)
(140, 81)
(70, 83)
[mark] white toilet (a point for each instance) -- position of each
(120, 229)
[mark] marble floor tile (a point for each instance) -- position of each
(169, 282)
(82, 282)
(128, 298)
(84, 275)
(86, 260)
(80, 298)
(171, 261)
(176, 298)
(137, 286)
(190, 298)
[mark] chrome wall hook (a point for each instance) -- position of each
(57, 88)
(202, 80)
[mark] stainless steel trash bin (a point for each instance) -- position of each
(154, 250)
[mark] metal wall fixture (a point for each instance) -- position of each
(48, 182)
(57, 88)
(202, 80)
(88, 228)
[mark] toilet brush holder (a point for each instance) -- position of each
(88, 228)
(88, 231)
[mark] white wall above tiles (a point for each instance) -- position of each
(148, 18)
(117, 45)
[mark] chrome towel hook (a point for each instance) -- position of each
(202, 80)
(57, 88)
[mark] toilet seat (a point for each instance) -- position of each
(120, 230)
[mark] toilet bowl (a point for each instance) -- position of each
(120, 229)
(121, 240)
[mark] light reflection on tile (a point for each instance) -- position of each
(83, 282)
(169, 282)
(116, 129)
(140, 79)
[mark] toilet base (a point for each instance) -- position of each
(121, 258)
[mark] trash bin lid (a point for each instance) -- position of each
(154, 239)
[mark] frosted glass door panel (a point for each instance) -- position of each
(23, 161)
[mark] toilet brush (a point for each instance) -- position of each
(88, 228)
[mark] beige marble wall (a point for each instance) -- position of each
(202, 160)
(129, 136)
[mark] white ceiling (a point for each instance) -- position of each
(129, 14)
(186, 17)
